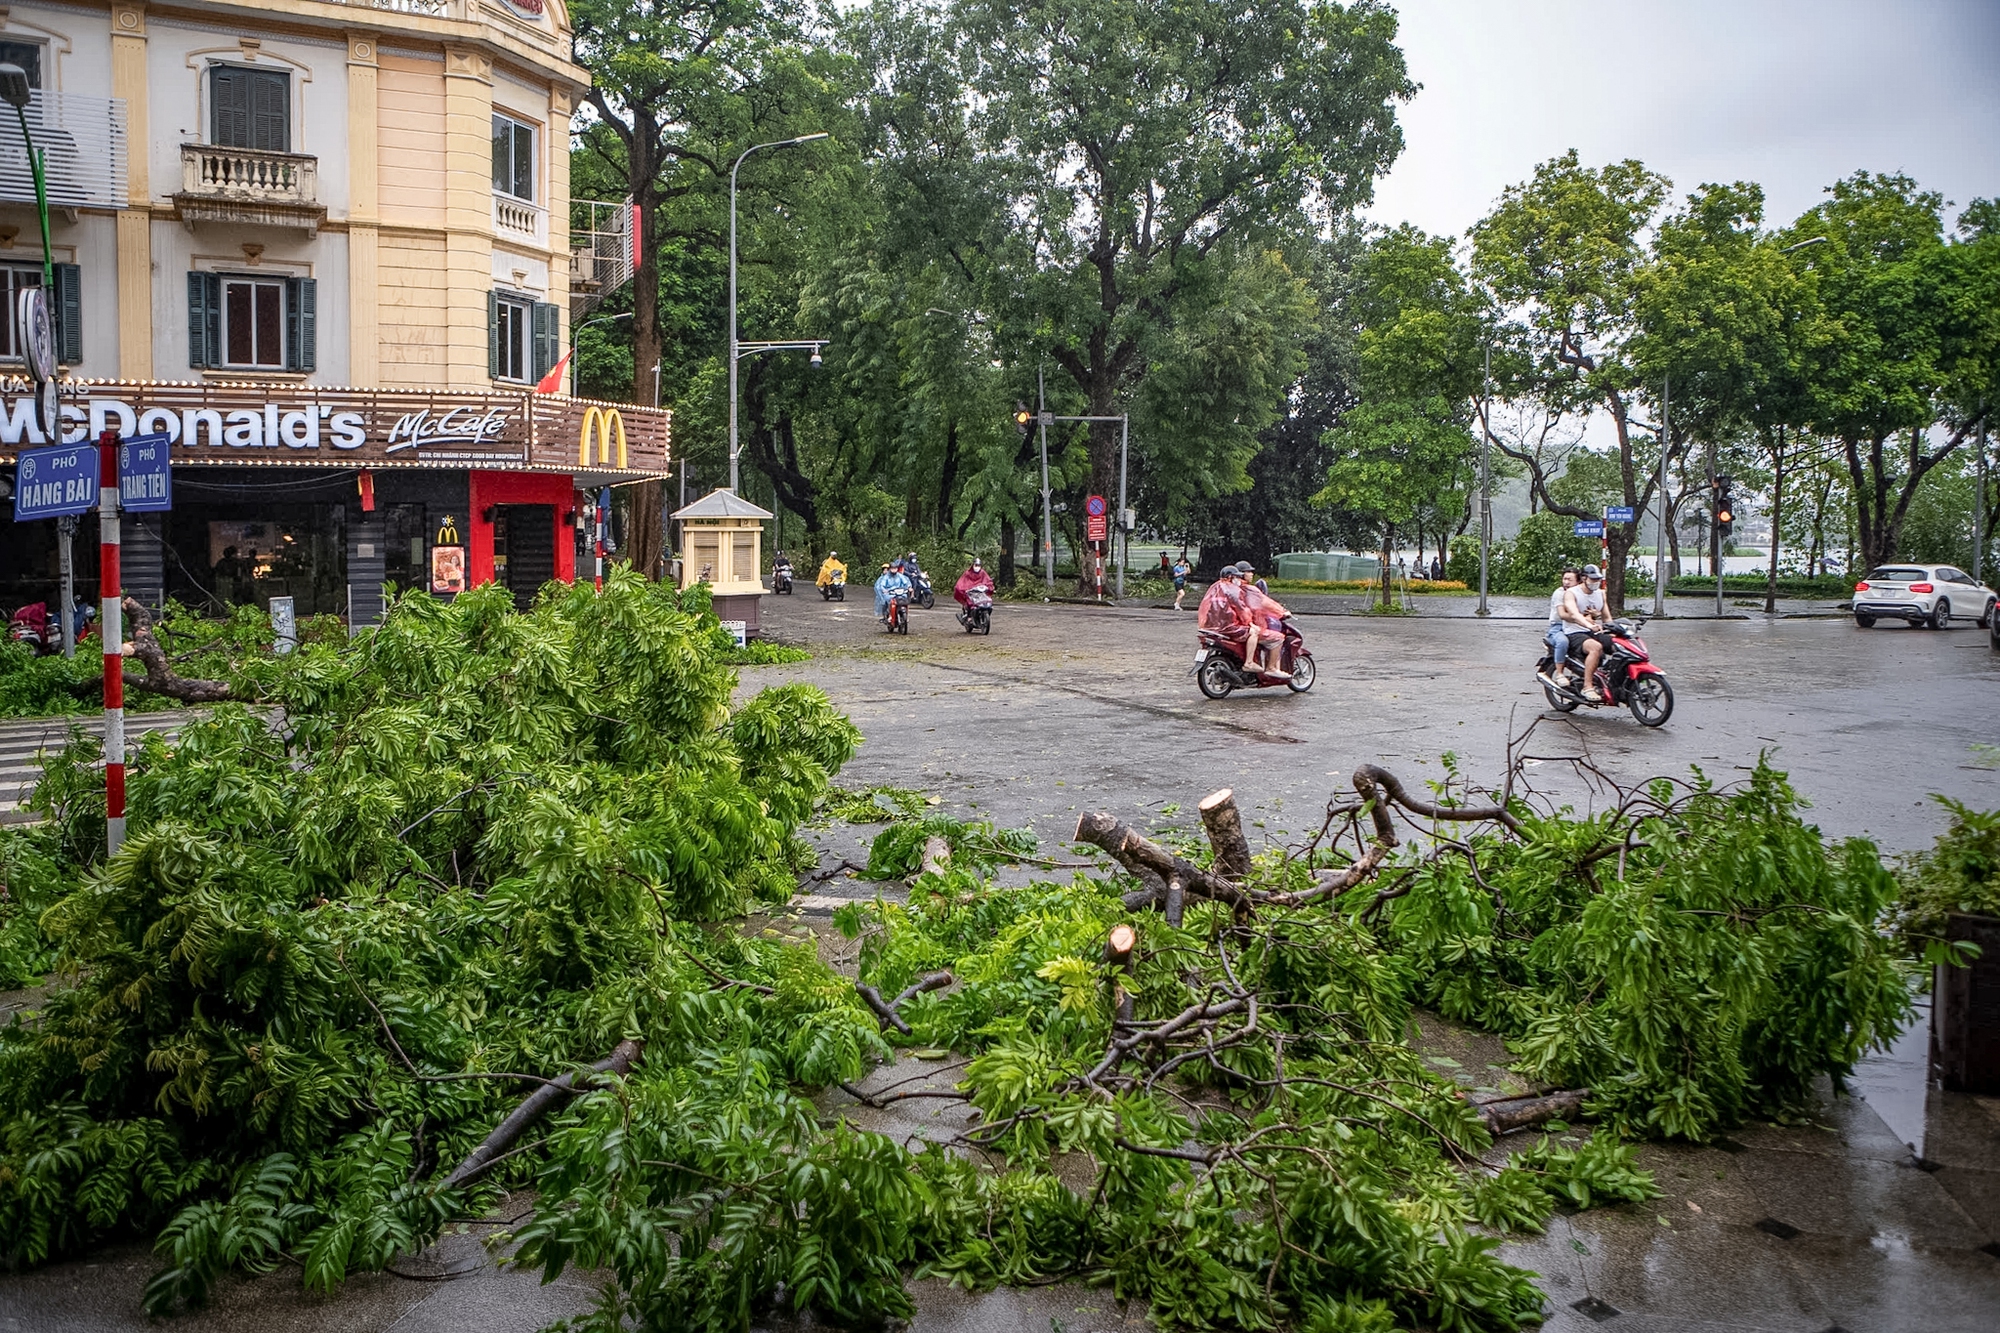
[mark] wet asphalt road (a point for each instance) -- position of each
(1066, 708)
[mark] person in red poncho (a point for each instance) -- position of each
(975, 577)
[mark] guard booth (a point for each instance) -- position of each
(722, 545)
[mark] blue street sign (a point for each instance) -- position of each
(58, 480)
(145, 480)
(1618, 514)
(1590, 527)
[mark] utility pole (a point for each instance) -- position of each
(1125, 546)
(1660, 540)
(1485, 477)
(1715, 526)
(1979, 515)
(1048, 537)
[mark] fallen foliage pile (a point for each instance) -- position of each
(436, 922)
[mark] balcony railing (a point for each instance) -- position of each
(434, 9)
(249, 185)
(518, 220)
(84, 141)
(600, 252)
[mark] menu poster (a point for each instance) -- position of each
(447, 569)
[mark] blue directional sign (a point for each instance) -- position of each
(58, 480)
(1590, 527)
(1618, 514)
(145, 481)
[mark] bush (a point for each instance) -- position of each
(32, 686)
(1959, 873)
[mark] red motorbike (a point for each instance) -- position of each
(1626, 677)
(1218, 663)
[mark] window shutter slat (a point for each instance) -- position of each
(302, 324)
(68, 311)
(199, 352)
(548, 337)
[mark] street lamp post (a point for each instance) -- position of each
(1660, 534)
(17, 93)
(734, 346)
(1485, 477)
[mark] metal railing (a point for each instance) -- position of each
(519, 219)
(248, 175)
(600, 252)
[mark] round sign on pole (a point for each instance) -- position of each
(38, 333)
(1094, 506)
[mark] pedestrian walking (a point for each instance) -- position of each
(1180, 576)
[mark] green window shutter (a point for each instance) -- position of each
(68, 310)
(229, 107)
(493, 335)
(548, 337)
(302, 324)
(271, 111)
(204, 320)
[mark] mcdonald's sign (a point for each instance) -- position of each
(603, 422)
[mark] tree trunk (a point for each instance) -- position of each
(1388, 537)
(1777, 521)
(646, 545)
(1007, 539)
(947, 475)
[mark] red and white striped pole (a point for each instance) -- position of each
(601, 517)
(112, 623)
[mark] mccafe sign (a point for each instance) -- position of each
(316, 427)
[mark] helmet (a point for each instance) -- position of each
(1592, 572)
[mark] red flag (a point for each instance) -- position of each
(552, 382)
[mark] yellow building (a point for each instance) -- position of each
(310, 211)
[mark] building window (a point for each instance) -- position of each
(236, 321)
(250, 108)
(28, 55)
(523, 336)
(65, 310)
(513, 158)
(253, 323)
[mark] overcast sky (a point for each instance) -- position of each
(1788, 93)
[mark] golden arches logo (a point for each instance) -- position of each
(605, 422)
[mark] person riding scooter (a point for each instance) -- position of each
(974, 577)
(892, 582)
(781, 573)
(828, 568)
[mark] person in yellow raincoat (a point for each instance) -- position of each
(828, 568)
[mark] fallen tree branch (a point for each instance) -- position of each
(160, 677)
(1508, 1114)
(538, 1103)
(1140, 854)
(1224, 823)
(886, 1010)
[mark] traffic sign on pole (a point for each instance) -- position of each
(1619, 514)
(1094, 506)
(145, 478)
(1590, 527)
(60, 479)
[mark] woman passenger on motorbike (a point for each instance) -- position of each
(974, 577)
(1264, 616)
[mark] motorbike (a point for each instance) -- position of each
(835, 588)
(1219, 669)
(781, 579)
(899, 613)
(977, 617)
(921, 593)
(1626, 677)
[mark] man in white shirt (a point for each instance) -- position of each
(1557, 636)
(1584, 617)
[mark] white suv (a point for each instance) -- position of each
(1921, 594)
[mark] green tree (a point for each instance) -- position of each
(1561, 252)
(1908, 377)
(1118, 183)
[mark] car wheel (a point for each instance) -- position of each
(1866, 622)
(1986, 616)
(1941, 615)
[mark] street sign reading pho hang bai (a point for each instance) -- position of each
(1590, 527)
(1619, 514)
(145, 478)
(49, 483)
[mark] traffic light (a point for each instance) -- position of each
(1725, 505)
(1023, 418)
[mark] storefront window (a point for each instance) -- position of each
(239, 554)
(405, 550)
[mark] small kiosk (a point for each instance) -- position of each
(722, 544)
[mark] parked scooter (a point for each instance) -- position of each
(1219, 668)
(977, 617)
(1626, 677)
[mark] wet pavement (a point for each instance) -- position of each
(1884, 1214)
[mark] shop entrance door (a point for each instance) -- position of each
(524, 550)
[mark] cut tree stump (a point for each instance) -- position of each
(1225, 833)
